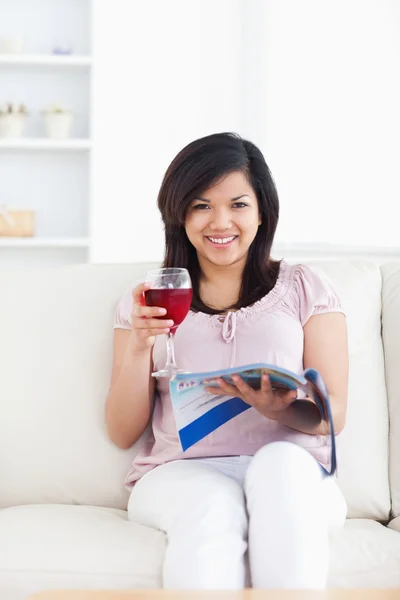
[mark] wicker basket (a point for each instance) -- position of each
(17, 223)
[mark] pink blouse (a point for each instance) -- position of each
(271, 331)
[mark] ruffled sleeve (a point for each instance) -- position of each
(122, 317)
(313, 294)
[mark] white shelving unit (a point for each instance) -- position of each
(45, 144)
(44, 60)
(48, 176)
(9, 242)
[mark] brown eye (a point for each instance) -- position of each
(200, 206)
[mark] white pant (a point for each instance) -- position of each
(275, 504)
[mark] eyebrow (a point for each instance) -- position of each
(232, 199)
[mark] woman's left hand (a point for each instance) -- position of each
(266, 400)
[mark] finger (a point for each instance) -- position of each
(225, 388)
(242, 386)
(213, 390)
(147, 340)
(148, 311)
(266, 387)
(286, 396)
(145, 334)
(290, 396)
(211, 386)
(139, 323)
(138, 293)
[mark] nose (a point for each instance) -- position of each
(220, 220)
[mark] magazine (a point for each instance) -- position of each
(197, 413)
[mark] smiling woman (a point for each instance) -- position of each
(255, 482)
(220, 213)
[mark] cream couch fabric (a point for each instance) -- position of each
(62, 501)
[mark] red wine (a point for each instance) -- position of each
(176, 301)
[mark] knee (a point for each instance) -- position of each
(283, 462)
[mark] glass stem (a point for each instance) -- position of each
(170, 352)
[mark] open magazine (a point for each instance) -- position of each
(198, 413)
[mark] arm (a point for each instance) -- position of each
(130, 399)
(326, 350)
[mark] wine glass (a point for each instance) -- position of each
(170, 289)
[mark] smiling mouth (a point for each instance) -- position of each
(221, 241)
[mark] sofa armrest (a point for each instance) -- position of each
(395, 524)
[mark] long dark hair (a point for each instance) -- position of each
(197, 167)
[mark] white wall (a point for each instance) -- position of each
(313, 83)
(165, 73)
(332, 121)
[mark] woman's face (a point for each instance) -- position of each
(223, 222)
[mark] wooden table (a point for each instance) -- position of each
(240, 595)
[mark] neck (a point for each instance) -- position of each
(220, 286)
(225, 275)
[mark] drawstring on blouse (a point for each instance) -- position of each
(228, 333)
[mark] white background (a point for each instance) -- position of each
(314, 83)
(173, 70)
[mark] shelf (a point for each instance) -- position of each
(37, 242)
(45, 60)
(44, 144)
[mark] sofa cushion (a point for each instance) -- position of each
(365, 554)
(83, 547)
(395, 524)
(56, 355)
(362, 446)
(391, 338)
(60, 546)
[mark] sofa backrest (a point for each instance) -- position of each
(391, 338)
(55, 358)
(55, 364)
(363, 445)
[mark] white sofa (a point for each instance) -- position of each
(62, 520)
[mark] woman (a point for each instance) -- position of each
(255, 483)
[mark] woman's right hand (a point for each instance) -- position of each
(145, 325)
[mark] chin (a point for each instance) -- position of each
(225, 261)
(222, 258)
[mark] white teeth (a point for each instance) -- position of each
(222, 240)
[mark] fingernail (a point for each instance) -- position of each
(170, 323)
(162, 311)
(166, 330)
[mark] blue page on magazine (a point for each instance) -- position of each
(198, 413)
